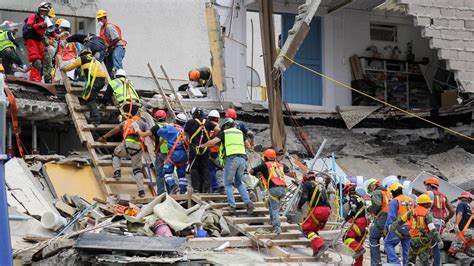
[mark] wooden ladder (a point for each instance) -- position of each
(101, 153)
(257, 228)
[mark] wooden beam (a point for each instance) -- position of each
(214, 242)
(291, 259)
(238, 204)
(96, 144)
(253, 220)
(284, 226)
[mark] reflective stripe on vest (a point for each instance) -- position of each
(439, 205)
(5, 42)
(68, 53)
(234, 142)
(405, 204)
(275, 174)
(122, 92)
(417, 222)
(129, 133)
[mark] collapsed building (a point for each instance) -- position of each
(413, 55)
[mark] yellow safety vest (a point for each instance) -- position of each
(123, 93)
(5, 42)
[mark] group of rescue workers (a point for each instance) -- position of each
(213, 152)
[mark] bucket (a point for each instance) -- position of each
(53, 221)
(201, 233)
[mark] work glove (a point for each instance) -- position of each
(440, 245)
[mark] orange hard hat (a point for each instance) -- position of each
(194, 74)
(270, 154)
(432, 181)
(466, 195)
(231, 113)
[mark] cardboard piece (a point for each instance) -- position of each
(449, 98)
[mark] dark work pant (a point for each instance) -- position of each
(92, 101)
(10, 56)
(200, 176)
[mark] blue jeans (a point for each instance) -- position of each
(160, 181)
(393, 240)
(233, 172)
(212, 172)
(435, 249)
(274, 205)
(375, 234)
(114, 59)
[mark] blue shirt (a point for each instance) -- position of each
(242, 127)
(392, 213)
(465, 209)
(170, 134)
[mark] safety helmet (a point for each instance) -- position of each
(231, 113)
(1, 68)
(214, 114)
(44, 6)
(369, 182)
(423, 198)
(270, 154)
(465, 195)
(65, 24)
(395, 186)
(197, 112)
(160, 114)
(181, 117)
(100, 14)
(58, 21)
(309, 176)
(347, 188)
(432, 181)
(52, 13)
(120, 73)
(228, 123)
(86, 51)
(194, 74)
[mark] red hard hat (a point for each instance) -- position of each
(270, 154)
(466, 195)
(160, 114)
(231, 113)
(194, 74)
(309, 176)
(347, 188)
(432, 181)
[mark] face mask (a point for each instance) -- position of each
(100, 23)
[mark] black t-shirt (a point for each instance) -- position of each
(464, 208)
(154, 131)
(192, 126)
(262, 168)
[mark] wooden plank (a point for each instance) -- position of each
(239, 205)
(216, 197)
(253, 220)
(126, 163)
(284, 226)
(241, 212)
(123, 181)
(96, 144)
(214, 242)
(280, 252)
(84, 108)
(288, 242)
(291, 234)
(291, 259)
(90, 127)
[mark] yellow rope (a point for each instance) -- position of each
(378, 100)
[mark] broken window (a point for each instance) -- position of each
(380, 32)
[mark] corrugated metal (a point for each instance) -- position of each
(299, 85)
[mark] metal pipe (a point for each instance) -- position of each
(318, 153)
(5, 241)
(34, 138)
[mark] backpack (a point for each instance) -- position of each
(27, 31)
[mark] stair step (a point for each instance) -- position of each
(216, 197)
(240, 212)
(90, 127)
(124, 163)
(253, 220)
(239, 205)
(84, 108)
(284, 235)
(284, 227)
(97, 144)
(287, 242)
(124, 181)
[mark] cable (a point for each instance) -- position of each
(378, 100)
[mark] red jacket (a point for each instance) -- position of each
(33, 22)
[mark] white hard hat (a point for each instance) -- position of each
(65, 24)
(214, 113)
(120, 72)
(181, 117)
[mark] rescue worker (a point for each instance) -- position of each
(422, 230)
(8, 50)
(378, 207)
(67, 51)
(161, 148)
(50, 42)
(318, 212)
(95, 81)
(355, 235)
(33, 33)
(273, 179)
(399, 206)
(200, 77)
(231, 113)
(442, 211)
(234, 160)
(217, 182)
(197, 131)
(112, 35)
(462, 247)
(131, 146)
(91, 41)
(122, 93)
(177, 155)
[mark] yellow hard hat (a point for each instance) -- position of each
(395, 186)
(423, 198)
(1, 68)
(369, 182)
(51, 13)
(100, 14)
(58, 22)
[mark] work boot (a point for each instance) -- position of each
(321, 251)
(250, 208)
(276, 230)
(96, 123)
(141, 193)
(221, 190)
(231, 210)
(359, 253)
(117, 174)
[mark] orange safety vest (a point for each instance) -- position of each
(439, 205)
(106, 39)
(386, 197)
(128, 129)
(275, 174)
(68, 53)
(216, 148)
(405, 204)
(417, 222)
